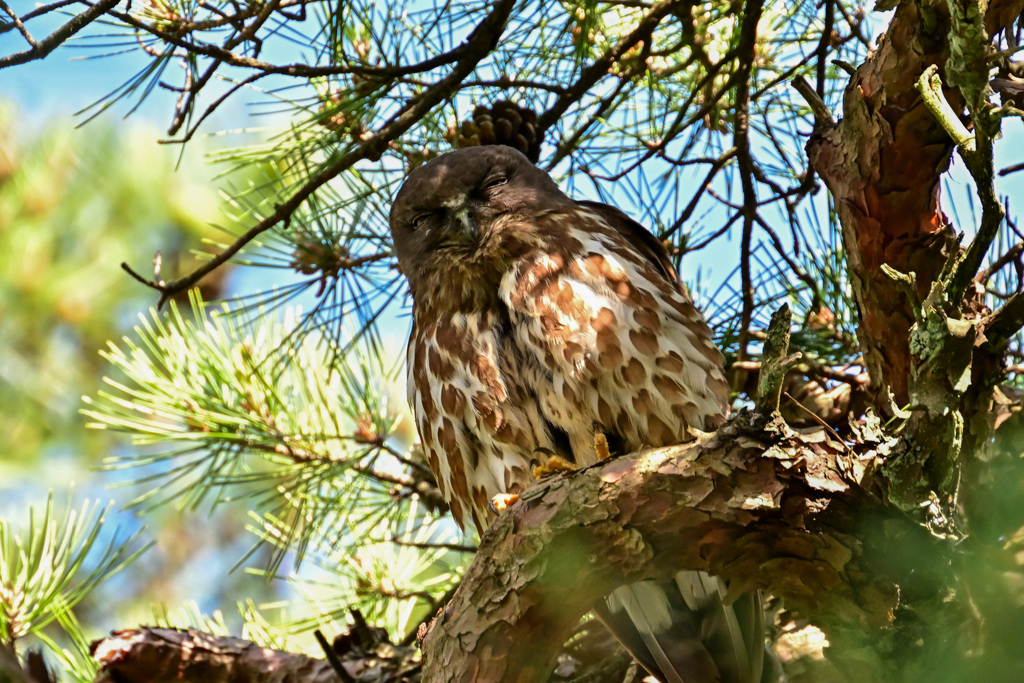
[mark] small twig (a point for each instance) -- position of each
(822, 115)
(1011, 255)
(505, 83)
(850, 69)
(783, 76)
(691, 206)
(825, 47)
(212, 107)
(908, 283)
(855, 29)
(455, 547)
(976, 151)
(817, 418)
(793, 265)
(930, 86)
(37, 12)
(332, 658)
(713, 236)
(774, 360)
(1002, 325)
(57, 38)
(20, 26)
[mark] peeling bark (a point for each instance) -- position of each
(796, 513)
(153, 655)
(757, 504)
(882, 163)
(156, 655)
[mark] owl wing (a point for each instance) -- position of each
(618, 347)
(644, 241)
(615, 342)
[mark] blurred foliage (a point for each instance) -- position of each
(74, 204)
(72, 207)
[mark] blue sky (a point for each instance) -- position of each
(64, 83)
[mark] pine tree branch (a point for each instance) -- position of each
(476, 47)
(756, 504)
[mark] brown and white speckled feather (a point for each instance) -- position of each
(585, 334)
(624, 350)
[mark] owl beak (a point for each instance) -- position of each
(465, 223)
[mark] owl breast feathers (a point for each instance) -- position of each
(539, 321)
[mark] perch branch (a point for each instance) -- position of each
(740, 505)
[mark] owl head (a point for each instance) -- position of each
(455, 208)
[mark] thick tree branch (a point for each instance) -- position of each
(158, 655)
(757, 504)
(882, 163)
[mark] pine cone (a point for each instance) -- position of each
(503, 123)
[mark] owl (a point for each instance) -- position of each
(545, 327)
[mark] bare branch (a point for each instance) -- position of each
(19, 25)
(1002, 325)
(741, 141)
(822, 115)
(57, 38)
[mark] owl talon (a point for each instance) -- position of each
(601, 446)
(694, 434)
(553, 465)
(502, 501)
